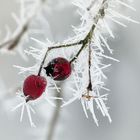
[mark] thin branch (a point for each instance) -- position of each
(101, 14)
(87, 39)
(57, 47)
(78, 53)
(66, 45)
(13, 43)
(54, 120)
(91, 5)
(89, 69)
(15, 40)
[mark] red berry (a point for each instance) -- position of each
(34, 86)
(59, 68)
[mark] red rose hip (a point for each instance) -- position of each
(59, 68)
(34, 86)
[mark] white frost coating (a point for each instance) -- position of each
(98, 42)
(79, 81)
(28, 9)
(23, 105)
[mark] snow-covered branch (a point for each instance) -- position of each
(27, 14)
(85, 56)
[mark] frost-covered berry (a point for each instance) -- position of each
(59, 68)
(34, 86)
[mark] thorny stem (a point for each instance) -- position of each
(13, 42)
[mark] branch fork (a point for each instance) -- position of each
(86, 42)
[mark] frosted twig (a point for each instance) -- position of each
(54, 119)
(88, 74)
(14, 40)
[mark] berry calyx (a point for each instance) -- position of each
(59, 68)
(34, 86)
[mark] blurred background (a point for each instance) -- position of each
(123, 81)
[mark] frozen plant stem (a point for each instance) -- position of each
(89, 73)
(85, 42)
(15, 40)
(56, 47)
(55, 118)
(89, 42)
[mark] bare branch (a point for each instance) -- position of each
(54, 119)
(57, 47)
(84, 42)
(15, 40)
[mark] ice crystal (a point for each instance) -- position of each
(93, 13)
